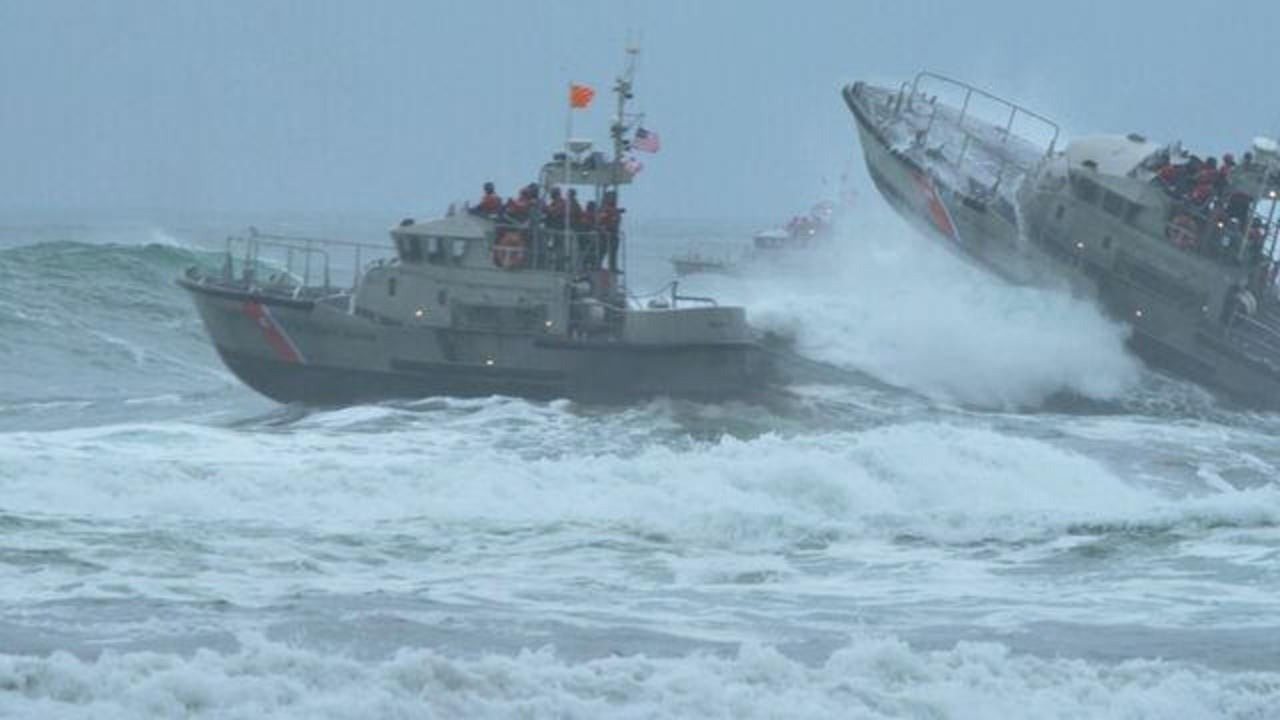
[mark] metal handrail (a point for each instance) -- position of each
(312, 251)
(1262, 335)
(1014, 108)
(255, 233)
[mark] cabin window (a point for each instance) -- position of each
(459, 248)
(1113, 204)
(1085, 190)
(1106, 243)
(413, 253)
(1057, 214)
(391, 287)
(433, 251)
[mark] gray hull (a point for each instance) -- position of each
(316, 352)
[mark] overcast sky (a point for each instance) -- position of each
(399, 106)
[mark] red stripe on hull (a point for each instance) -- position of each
(275, 335)
(937, 211)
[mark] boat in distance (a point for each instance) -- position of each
(803, 233)
(519, 300)
(1180, 247)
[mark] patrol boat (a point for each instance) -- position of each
(471, 305)
(1192, 271)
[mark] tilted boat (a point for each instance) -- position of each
(1184, 255)
(472, 304)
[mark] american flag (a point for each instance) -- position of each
(646, 141)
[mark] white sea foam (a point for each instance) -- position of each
(162, 236)
(463, 497)
(942, 481)
(889, 302)
(871, 677)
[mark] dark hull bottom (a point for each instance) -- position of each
(331, 386)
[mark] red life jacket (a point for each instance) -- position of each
(607, 218)
(518, 208)
(489, 204)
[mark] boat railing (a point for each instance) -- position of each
(908, 94)
(294, 265)
(667, 297)
(1015, 110)
(1256, 337)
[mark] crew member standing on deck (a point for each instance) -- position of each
(553, 211)
(589, 245)
(490, 204)
(519, 208)
(608, 221)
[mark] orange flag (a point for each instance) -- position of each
(580, 95)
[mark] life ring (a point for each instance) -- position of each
(1183, 231)
(509, 252)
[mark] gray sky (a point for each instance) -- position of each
(399, 106)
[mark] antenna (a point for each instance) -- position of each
(623, 88)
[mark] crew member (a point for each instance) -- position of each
(490, 204)
(589, 244)
(1208, 173)
(518, 208)
(608, 221)
(553, 210)
(1228, 165)
(1169, 177)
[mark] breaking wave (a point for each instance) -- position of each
(871, 677)
(85, 320)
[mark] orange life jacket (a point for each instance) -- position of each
(608, 218)
(490, 203)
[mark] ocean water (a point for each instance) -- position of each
(993, 512)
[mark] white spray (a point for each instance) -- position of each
(885, 300)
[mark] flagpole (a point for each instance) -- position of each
(568, 120)
(564, 186)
